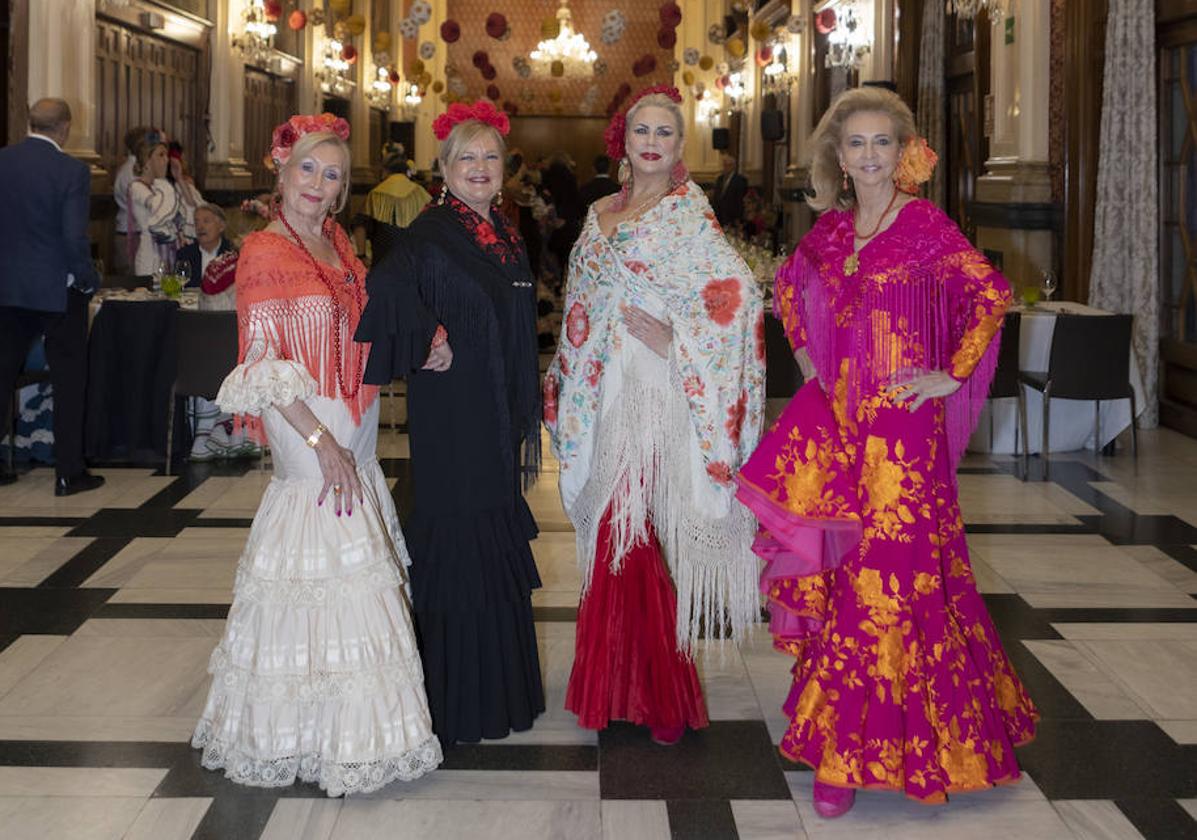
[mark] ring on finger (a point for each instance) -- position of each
(337, 489)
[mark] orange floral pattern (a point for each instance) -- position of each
(722, 300)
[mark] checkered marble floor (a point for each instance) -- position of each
(111, 601)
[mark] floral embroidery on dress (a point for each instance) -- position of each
(495, 236)
(577, 325)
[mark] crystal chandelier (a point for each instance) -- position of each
(850, 41)
(569, 47)
(969, 9)
(256, 41)
(334, 74)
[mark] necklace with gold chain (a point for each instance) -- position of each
(852, 261)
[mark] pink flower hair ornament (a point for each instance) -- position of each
(287, 134)
(618, 127)
(481, 111)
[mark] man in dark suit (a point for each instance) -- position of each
(208, 245)
(46, 279)
(728, 197)
(600, 185)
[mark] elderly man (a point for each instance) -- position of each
(46, 279)
(728, 196)
(209, 243)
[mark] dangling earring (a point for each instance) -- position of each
(276, 204)
(844, 169)
(498, 197)
(625, 170)
(441, 199)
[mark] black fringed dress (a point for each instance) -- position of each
(474, 431)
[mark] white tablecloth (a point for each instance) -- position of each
(1072, 421)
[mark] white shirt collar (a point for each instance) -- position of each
(49, 140)
(210, 253)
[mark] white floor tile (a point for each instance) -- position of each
(420, 819)
(62, 818)
(767, 820)
(1096, 819)
(169, 819)
(303, 819)
(635, 820)
(80, 781)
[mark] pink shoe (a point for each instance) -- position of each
(833, 802)
(666, 736)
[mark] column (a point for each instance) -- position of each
(359, 106)
(800, 51)
(227, 168)
(62, 63)
(427, 146)
(1013, 212)
(699, 155)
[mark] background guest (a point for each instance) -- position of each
(121, 264)
(46, 279)
(179, 175)
(153, 210)
(600, 185)
(210, 242)
(391, 205)
(728, 196)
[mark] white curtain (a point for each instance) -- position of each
(930, 112)
(1125, 274)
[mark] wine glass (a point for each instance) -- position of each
(183, 270)
(1048, 284)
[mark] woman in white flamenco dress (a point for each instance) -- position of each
(318, 675)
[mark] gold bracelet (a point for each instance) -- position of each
(314, 437)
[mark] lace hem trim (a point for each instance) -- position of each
(377, 577)
(228, 678)
(336, 778)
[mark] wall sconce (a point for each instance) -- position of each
(334, 69)
(256, 41)
(380, 89)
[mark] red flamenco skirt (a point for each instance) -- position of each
(626, 662)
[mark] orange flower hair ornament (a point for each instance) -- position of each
(286, 134)
(481, 111)
(915, 165)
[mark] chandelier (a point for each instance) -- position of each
(851, 40)
(570, 48)
(969, 9)
(335, 70)
(256, 41)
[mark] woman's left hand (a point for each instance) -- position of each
(656, 335)
(912, 393)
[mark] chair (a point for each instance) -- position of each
(1005, 381)
(25, 379)
(1089, 360)
(207, 354)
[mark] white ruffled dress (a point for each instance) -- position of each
(318, 676)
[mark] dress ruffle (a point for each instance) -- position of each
(318, 676)
(254, 387)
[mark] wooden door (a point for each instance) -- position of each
(142, 79)
(966, 54)
(269, 100)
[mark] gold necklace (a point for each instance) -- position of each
(638, 208)
(852, 261)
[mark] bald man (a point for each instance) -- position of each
(46, 278)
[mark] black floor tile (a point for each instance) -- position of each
(1183, 554)
(1159, 819)
(499, 756)
(727, 760)
(92, 753)
(139, 522)
(1109, 759)
(192, 611)
(696, 819)
(1147, 530)
(554, 613)
(236, 818)
(86, 562)
(41, 521)
(218, 522)
(47, 611)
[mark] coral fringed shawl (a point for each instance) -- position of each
(675, 257)
(285, 312)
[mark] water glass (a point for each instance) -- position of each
(1048, 284)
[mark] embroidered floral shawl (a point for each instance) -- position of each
(674, 253)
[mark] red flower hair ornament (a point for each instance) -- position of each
(618, 127)
(482, 111)
(287, 134)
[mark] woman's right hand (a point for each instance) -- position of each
(440, 358)
(339, 469)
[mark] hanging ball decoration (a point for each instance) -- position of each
(480, 59)
(496, 25)
(394, 76)
(623, 91)
(600, 67)
(735, 46)
(415, 67)
(644, 65)
(297, 20)
(716, 35)
(722, 69)
(273, 9)
(688, 78)
(825, 21)
(760, 30)
(382, 58)
(690, 56)
(673, 65)
(720, 82)
(614, 25)
(492, 92)
(489, 72)
(795, 25)
(421, 12)
(349, 53)
(764, 56)
(382, 42)
(527, 95)
(666, 38)
(438, 86)
(549, 28)
(339, 7)
(524, 71)
(706, 63)
(450, 31)
(427, 50)
(340, 31)
(670, 14)
(424, 79)
(409, 29)
(356, 24)
(557, 69)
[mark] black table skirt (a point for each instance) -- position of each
(782, 376)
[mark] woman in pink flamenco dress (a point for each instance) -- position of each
(901, 682)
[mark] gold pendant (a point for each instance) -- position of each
(851, 263)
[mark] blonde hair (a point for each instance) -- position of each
(655, 100)
(462, 135)
(825, 174)
(304, 147)
(145, 150)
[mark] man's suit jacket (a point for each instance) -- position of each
(596, 188)
(728, 198)
(43, 217)
(191, 253)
